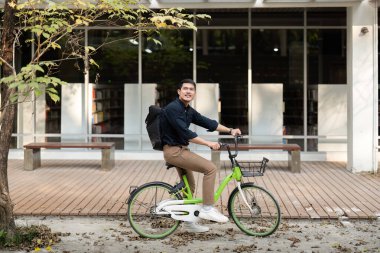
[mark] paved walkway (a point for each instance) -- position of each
(79, 187)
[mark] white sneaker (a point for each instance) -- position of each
(213, 215)
(193, 227)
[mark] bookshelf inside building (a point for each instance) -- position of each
(107, 109)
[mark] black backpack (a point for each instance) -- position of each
(153, 127)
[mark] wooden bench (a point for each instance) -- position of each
(294, 156)
(32, 152)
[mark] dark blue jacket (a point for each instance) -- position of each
(175, 122)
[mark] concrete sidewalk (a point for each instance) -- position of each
(97, 234)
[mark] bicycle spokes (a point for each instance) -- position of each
(254, 210)
(143, 215)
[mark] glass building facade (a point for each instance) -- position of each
(280, 74)
(275, 44)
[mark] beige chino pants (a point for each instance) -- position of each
(187, 162)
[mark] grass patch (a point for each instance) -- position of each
(29, 238)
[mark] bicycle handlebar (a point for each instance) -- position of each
(236, 140)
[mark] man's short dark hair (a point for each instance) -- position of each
(179, 86)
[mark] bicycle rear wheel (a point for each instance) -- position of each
(263, 216)
(142, 210)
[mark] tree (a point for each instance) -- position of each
(6, 119)
(52, 25)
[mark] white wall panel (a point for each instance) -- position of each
(332, 116)
(267, 112)
(72, 112)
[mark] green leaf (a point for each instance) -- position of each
(89, 48)
(21, 86)
(29, 41)
(156, 41)
(92, 62)
(203, 16)
(14, 85)
(13, 98)
(46, 35)
(47, 63)
(51, 90)
(55, 45)
(7, 79)
(38, 68)
(53, 97)
(34, 85)
(37, 31)
(37, 92)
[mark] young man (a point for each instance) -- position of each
(175, 123)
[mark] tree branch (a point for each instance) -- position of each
(9, 66)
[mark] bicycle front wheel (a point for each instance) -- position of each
(142, 213)
(261, 218)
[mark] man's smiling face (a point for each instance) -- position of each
(186, 93)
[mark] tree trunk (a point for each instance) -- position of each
(7, 222)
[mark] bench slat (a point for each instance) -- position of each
(288, 147)
(69, 145)
(32, 152)
(294, 150)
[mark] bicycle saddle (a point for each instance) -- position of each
(168, 165)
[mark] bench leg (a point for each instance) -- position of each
(32, 158)
(108, 158)
(215, 158)
(294, 161)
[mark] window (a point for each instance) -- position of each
(117, 58)
(224, 17)
(277, 58)
(167, 64)
(327, 76)
(277, 17)
(222, 60)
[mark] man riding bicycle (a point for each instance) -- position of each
(175, 122)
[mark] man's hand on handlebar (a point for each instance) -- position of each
(214, 145)
(235, 132)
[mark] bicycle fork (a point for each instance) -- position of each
(243, 196)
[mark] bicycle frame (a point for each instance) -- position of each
(234, 175)
(188, 202)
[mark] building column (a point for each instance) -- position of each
(362, 87)
(72, 113)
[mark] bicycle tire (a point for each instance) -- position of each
(141, 205)
(265, 216)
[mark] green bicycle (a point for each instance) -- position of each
(156, 209)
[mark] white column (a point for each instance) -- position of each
(31, 119)
(362, 132)
(134, 123)
(207, 103)
(332, 117)
(25, 124)
(267, 112)
(40, 117)
(72, 112)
